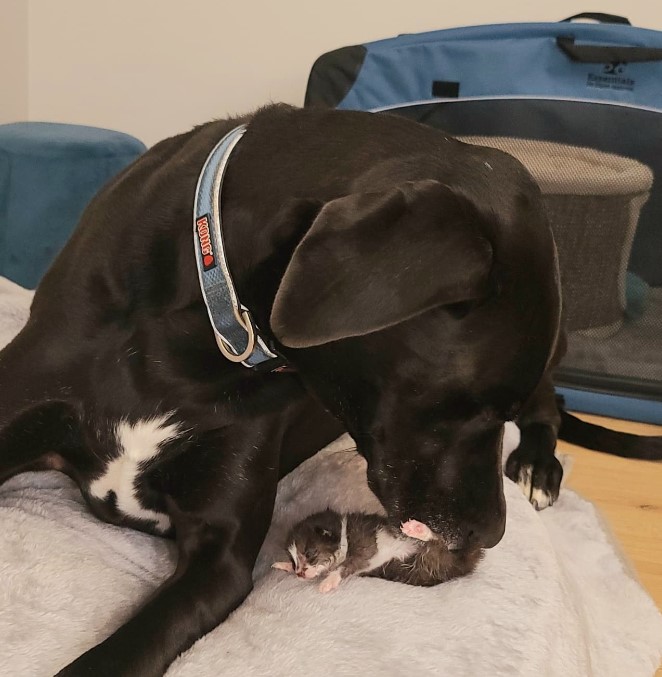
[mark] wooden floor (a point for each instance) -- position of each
(629, 495)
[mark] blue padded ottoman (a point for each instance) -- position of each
(48, 174)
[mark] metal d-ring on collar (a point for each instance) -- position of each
(234, 329)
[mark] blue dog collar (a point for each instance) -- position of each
(234, 329)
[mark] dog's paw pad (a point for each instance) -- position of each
(331, 582)
(416, 529)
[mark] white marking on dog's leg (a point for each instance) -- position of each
(331, 582)
(524, 480)
(138, 444)
(540, 499)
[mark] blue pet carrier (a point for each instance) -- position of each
(579, 104)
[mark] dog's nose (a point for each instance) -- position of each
(463, 542)
(476, 536)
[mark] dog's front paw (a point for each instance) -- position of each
(331, 582)
(537, 475)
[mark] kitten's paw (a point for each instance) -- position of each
(283, 566)
(416, 529)
(331, 582)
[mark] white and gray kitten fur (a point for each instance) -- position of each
(338, 546)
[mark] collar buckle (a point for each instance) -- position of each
(246, 321)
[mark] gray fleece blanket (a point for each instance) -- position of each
(554, 597)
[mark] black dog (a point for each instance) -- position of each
(409, 281)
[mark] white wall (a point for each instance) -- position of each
(153, 68)
(13, 60)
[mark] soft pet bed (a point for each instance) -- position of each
(552, 598)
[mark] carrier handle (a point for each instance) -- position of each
(599, 16)
(607, 53)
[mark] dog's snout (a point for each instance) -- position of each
(478, 536)
(462, 542)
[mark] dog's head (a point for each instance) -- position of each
(424, 318)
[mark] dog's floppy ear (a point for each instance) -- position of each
(371, 260)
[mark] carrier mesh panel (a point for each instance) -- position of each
(593, 203)
(593, 290)
(599, 168)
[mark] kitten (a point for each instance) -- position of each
(338, 546)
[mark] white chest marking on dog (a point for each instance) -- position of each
(137, 444)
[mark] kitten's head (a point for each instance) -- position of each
(315, 544)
